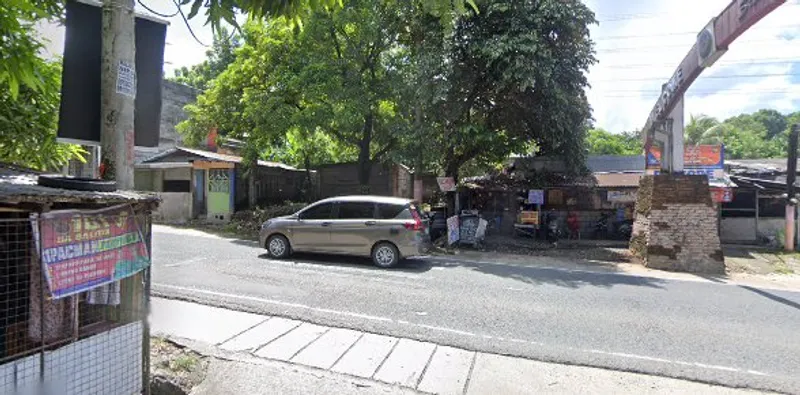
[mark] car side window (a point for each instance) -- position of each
(320, 211)
(392, 211)
(356, 210)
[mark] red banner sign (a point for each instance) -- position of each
(722, 195)
(694, 157)
(85, 249)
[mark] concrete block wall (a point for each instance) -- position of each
(676, 225)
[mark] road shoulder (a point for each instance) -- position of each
(307, 358)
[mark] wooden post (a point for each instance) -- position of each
(791, 173)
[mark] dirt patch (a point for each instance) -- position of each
(761, 261)
(174, 369)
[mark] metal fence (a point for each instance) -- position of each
(93, 342)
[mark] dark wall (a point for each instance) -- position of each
(342, 179)
(273, 186)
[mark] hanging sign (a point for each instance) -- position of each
(536, 196)
(622, 196)
(695, 158)
(722, 195)
(453, 230)
(82, 249)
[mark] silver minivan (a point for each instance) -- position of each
(384, 228)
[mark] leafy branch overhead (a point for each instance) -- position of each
(383, 80)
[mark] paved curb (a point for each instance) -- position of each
(397, 362)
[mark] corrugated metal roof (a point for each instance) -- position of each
(18, 185)
(217, 157)
(758, 165)
(617, 180)
(615, 163)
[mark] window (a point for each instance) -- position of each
(320, 211)
(356, 210)
(392, 211)
(218, 181)
(176, 186)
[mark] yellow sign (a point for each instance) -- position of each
(529, 217)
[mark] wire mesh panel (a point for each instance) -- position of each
(73, 302)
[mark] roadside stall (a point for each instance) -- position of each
(74, 286)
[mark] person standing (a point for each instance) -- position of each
(573, 223)
(552, 228)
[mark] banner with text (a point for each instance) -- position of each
(84, 249)
(695, 157)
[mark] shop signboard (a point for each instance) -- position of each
(82, 249)
(453, 230)
(722, 195)
(696, 158)
(536, 196)
(622, 196)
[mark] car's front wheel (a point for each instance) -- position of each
(385, 255)
(278, 246)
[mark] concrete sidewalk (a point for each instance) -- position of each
(370, 363)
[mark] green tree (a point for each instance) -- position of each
(773, 121)
(339, 76)
(218, 11)
(29, 121)
(221, 54)
(517, 78)
(19, 44)
(601, 142)
(703, 129)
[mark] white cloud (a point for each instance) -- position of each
(647, 43)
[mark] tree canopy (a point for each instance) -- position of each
(218, 58)
(386, 80)
(601, 142)
(29, 121)
(20, 45)
(762, 134)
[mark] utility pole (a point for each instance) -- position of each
(118, 92)
(791, 202)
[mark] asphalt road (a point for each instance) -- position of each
(711, 332)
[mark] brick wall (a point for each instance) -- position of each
(676, 225)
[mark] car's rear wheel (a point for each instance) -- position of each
(385, 255)
(278, 246)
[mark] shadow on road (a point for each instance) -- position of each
(562, 277)
(528, 274)
(772, 296)
(245, 242)
(324, 260)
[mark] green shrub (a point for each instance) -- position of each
(250, 221)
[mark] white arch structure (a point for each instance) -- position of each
(665, 124)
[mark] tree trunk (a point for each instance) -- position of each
(251, 185)
(364, 162)
(310, 192)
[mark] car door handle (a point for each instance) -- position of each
(325, 224)
(370, 223)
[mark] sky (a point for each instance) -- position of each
(639, 45)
